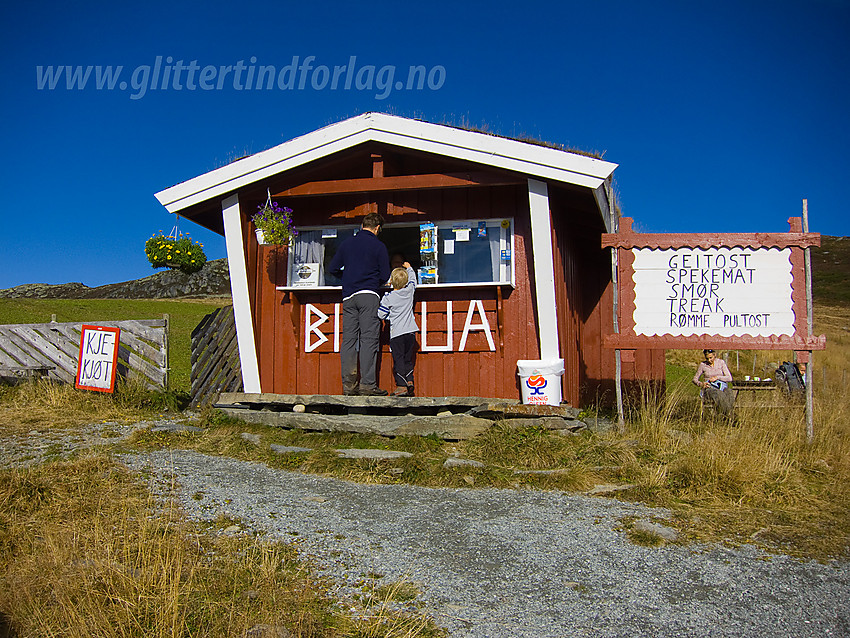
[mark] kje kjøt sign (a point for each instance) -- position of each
(98, 358)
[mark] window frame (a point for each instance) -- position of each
(507, 269)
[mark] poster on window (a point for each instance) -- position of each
(98, 358)
(728, 292)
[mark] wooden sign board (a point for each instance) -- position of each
(694, 291)
(98, 358)
(731, 292)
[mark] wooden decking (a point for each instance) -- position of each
(451, 418)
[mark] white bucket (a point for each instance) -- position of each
(540, 381)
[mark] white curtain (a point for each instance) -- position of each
(309, 248)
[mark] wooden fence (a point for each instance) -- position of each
(52, 350)
(215, 357)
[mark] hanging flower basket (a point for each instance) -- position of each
(274, 224)
(176, 251)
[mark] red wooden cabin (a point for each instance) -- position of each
(519, 271)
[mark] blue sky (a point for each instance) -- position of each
(722, 116)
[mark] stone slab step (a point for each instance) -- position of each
(500, 409)
(371, 453)
(452, 427)
(287, 401)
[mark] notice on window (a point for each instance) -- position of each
(98, 358)
(449, 247)
(461, 232)
(718, 291)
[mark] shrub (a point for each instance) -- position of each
(178, 253)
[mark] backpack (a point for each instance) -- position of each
(789, 379)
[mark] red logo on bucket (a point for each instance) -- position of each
(536, 383)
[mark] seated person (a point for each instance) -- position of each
(715, 390)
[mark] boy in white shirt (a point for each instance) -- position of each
(397, 307)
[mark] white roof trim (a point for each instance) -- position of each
(521, 157)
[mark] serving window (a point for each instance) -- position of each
(311, 253)
(445, 253)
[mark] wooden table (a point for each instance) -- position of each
(756, 387)
(764, 384)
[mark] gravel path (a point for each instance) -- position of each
(38, 446)
(515, 563)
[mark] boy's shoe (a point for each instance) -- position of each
(373, 392)
(410, 390)
(400, 391)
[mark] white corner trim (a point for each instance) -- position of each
(544, 269)
(239, 292)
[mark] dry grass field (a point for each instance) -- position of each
(86, 550)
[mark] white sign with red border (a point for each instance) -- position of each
(718, 291)
(98, 358)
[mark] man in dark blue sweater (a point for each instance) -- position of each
(364, 266)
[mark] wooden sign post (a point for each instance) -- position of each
(810, 377)
(98, 358)
(695, 291)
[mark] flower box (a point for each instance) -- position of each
(274, 224)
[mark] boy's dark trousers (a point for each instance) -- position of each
(403, 348)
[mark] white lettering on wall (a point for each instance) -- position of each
(728, 292)
(313, 328)
(314, 319)
(484, 325)
(423, 321)
(337, 324)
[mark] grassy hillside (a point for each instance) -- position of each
(184, 315)
(831, 271)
